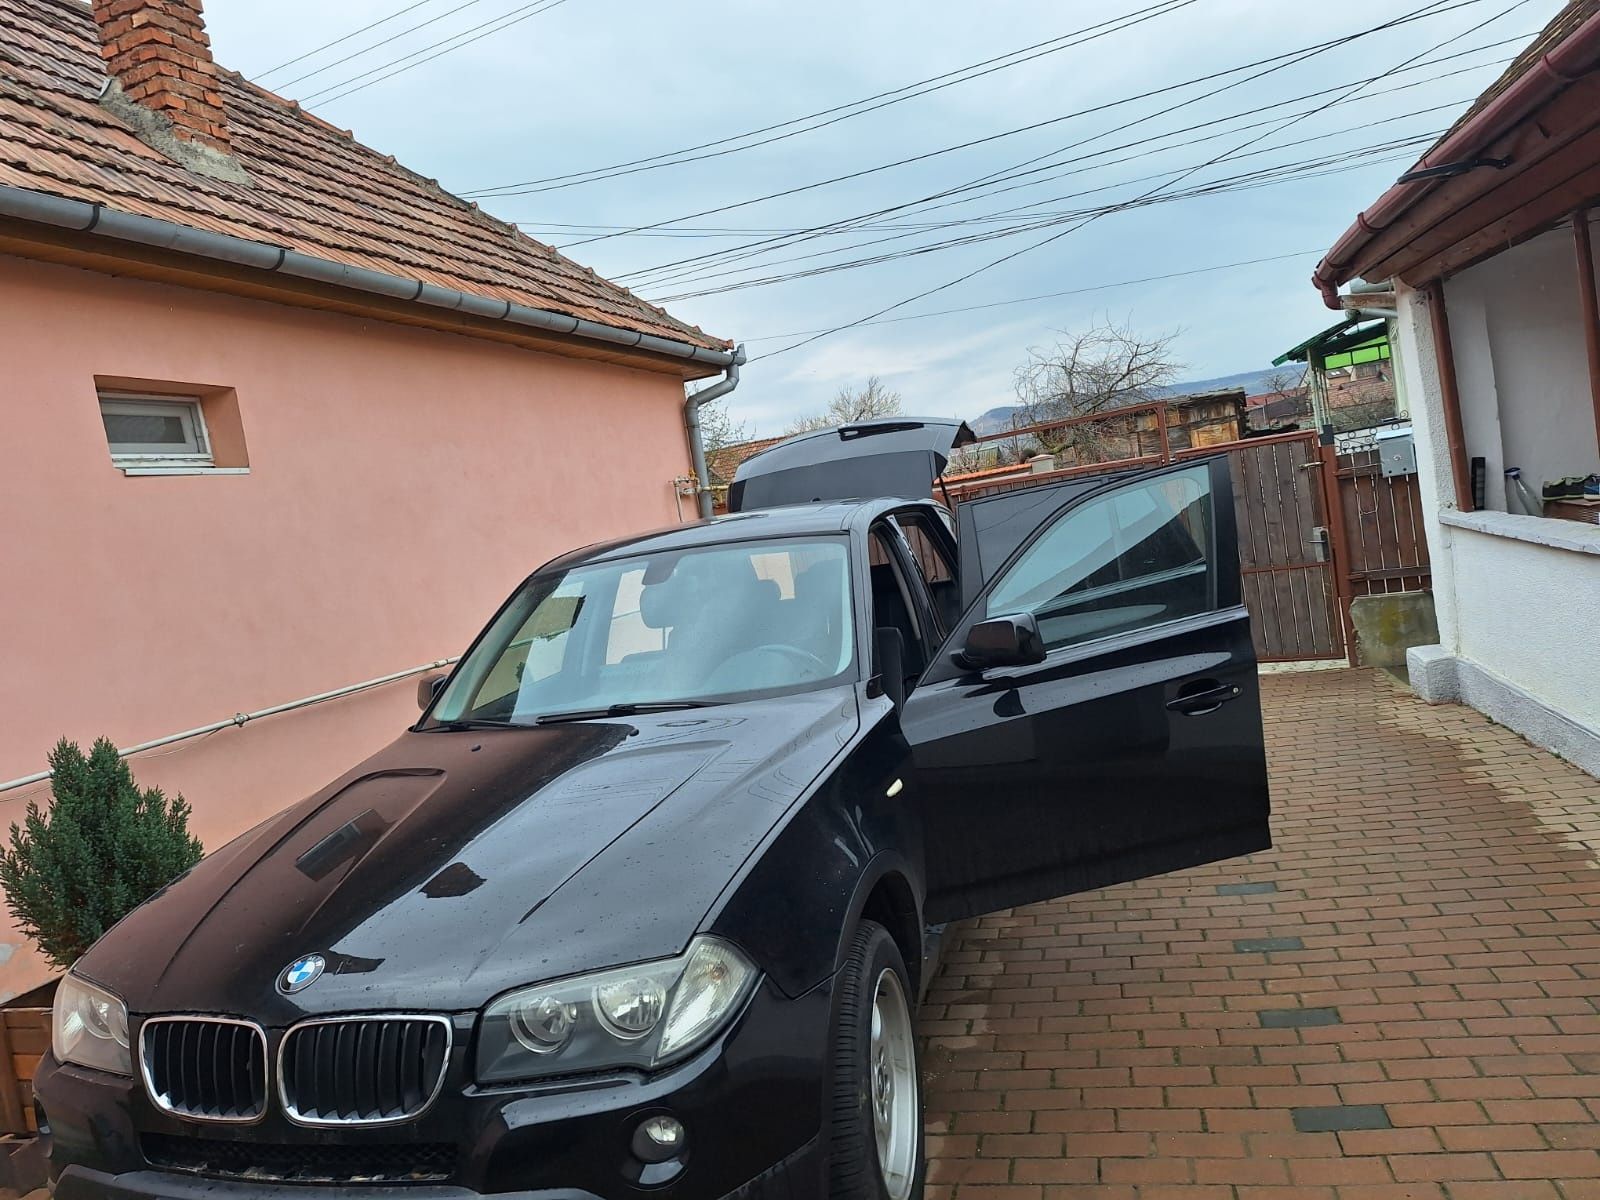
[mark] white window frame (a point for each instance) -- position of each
(196, 453)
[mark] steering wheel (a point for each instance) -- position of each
(804, 657)
(729, 671)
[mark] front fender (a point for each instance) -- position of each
(799, 898)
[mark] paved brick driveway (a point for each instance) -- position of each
(1401, 1001)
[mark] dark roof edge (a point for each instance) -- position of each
(96, 219)
(1576, 54)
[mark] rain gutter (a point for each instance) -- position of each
(1577, 54)
(692, 403)
(109, 223)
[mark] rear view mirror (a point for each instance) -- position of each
(1012, 641)
(428, 687)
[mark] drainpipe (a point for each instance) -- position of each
(691, 424)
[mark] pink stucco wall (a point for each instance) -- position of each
(400, 483)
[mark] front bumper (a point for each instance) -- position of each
(752, 1103)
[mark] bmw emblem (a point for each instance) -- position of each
(301, 974)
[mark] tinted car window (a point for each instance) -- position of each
(702, 624)
(1134, 557)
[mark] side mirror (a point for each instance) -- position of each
(1012, 641)
(428, 687)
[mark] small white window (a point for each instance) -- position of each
(155, 430)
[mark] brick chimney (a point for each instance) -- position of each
(158, 53)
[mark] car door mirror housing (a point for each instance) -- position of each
(428, 687)
(1010, 641)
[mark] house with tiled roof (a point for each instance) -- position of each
(279, 414)
(1480, 260)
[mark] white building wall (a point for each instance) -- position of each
(1521, 365)
(1517, 597)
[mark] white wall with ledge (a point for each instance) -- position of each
(1517, 597)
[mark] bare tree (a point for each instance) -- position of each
(1102, 369)
(1285, 382)
(871, 400)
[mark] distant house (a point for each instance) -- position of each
(1349, 369)
(280, 418)
(723, 461)
(1487, 244)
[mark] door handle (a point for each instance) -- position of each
(1203, 696)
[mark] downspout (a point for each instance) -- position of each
(692, 403)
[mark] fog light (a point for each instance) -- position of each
(659, 1138)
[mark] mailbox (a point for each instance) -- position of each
(1397, 452)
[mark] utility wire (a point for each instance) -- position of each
(1079, 291)
(1249, 181)
(394, 37)
(1020, 219)
(338, 41)
(978, 188)
(407, 62)
(549, 229)
(695, 266)
(881, 100)
(1285, 59)
(1058, 235)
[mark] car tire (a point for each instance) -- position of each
(876, 1150)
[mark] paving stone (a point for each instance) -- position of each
(1245, 889)
(1341, 1118)
(1297, 1018)
(1268, 945)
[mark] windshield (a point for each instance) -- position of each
(706, 624)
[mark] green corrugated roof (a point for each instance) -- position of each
(1337, 339)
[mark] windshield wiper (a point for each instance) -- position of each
(475, 723)
(619, 710)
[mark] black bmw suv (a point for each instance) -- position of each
(638, 907)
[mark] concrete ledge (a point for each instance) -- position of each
(1441, 678)
(1540, 531)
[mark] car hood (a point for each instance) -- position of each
(452, 866)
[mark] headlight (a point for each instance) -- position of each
(89, 1027)
(640, 1017)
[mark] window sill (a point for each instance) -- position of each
(1539, 531)
(147, 469)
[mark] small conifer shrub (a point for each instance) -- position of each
(101, 848)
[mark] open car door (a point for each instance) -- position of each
(1125, 740)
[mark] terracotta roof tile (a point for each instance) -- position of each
(313, 188)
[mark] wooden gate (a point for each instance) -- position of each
(1385, 550)
(1280, 500)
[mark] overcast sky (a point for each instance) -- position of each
(587, 84)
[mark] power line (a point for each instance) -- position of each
(693, 267)
(976, 189)
(564, 228)
(394, 37)
(1057, 236)
(883, 100)
(1249, 181)
(407, 62)
(1020, 219)
(341, 40)
(1285, 59)
(1095, 287)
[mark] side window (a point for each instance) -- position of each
(1134, 557)
(892, 606)
(937, 570)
